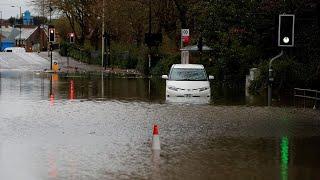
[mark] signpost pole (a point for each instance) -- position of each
(185, 33)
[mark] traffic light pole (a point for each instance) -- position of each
(51, 55)
(270, 79)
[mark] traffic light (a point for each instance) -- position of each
(286, 30)
(72, 37)
(51, 35)
(200, 44)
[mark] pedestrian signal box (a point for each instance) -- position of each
(51, 35)
(286, 30)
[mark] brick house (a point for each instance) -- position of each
(32, 39)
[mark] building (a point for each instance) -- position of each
(32, 39)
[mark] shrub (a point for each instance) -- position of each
(163, 65)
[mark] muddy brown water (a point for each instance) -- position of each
(101, 128)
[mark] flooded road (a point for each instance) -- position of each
(99, 127)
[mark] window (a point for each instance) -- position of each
(184, 74)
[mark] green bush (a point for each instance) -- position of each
(64, 48)
(163, 66)
(287, 73)
(78, 53)
(126, 55)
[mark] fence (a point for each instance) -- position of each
(310, 98)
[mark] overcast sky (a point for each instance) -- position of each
(8, 11)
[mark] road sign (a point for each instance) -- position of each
(185, 36)
(185, 32)
(286, 30)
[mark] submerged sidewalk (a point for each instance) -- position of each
(70, 65)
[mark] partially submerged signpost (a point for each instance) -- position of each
(185, 50)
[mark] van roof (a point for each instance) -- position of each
(188, 66)
(15, 49)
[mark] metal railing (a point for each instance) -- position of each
(308, 95)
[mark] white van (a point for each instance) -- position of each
(187, 80)
(15, 49)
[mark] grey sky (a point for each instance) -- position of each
(8, 11)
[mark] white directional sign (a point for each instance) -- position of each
(185, 37)
(185, 32)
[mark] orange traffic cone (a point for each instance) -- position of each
(155, 138)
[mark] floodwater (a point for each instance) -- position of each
(100, 127)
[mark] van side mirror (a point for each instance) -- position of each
(211, 77)
(164, 77)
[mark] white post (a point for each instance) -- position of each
(184, 54)
(184, 57)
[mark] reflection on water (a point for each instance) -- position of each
(284, 157)
(97, 87)
(90, 86)
(98, 127)
(188, 100)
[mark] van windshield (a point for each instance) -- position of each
(186, 74)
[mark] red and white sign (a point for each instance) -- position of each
(186, 39)
(185, 36)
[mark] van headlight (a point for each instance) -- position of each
(204, 88)
(172, 88)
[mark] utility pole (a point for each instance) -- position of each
(150, 28)
(1, 30)
(20, 27)
(102, 35)
(41, 34)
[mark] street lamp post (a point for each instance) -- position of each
(20, 23)
(1, 30)
(50, 11)
(150, 29)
